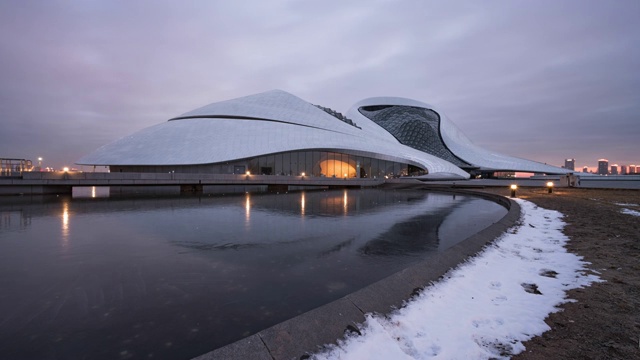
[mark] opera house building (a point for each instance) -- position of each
(277, 133)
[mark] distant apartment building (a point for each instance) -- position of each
(614, 169)
(603, 166)
(570, 164)
(585, 169)
(623, 169)
(633, 169)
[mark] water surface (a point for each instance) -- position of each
(175, 277)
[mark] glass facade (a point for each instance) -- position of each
(296, 163)
(328, 164)
(416, 127)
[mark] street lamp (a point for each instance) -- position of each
(550, 186)
(514, 187)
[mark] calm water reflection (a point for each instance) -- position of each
(120, 278)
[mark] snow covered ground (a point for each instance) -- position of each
(626, 204)
(486, 307)
(630, 212)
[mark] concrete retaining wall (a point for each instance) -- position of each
(32, 182)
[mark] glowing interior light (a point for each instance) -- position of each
(333, 168)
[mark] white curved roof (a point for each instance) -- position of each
(458, 143)
(266, 123)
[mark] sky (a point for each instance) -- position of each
(487, 307)
(544, 80)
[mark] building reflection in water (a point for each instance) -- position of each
(9, 219)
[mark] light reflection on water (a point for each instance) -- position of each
(176, 277)
(65, 223)
(247, 210)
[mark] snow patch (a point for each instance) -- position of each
(626, 204)
(630, 212)
(485, 308)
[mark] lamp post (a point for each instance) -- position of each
(513, 190)
(550, 187)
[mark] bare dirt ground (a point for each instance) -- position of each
(604, 322)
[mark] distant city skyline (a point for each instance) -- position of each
(604, 166)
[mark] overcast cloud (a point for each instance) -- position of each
(542, 80)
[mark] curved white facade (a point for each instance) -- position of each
(256, 125)
(239, 131)
(453, 138)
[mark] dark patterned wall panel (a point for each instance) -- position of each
(414, 127)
